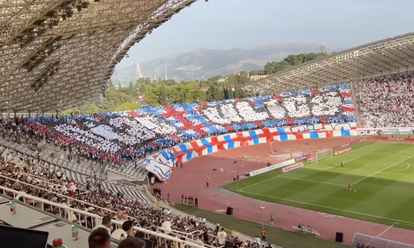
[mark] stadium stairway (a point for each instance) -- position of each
(78, 172)
(132, 170)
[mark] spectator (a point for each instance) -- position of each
(387, 101)
(131, 242)
(121, 216)
(221, 237)
(166, 226)
(99, 238)
(106, 223)
(126, 230)
(200, 240)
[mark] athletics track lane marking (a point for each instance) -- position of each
(251, 185)
(331, 208)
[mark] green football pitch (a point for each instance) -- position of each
(382, 176)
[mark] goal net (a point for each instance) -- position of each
(320, 155)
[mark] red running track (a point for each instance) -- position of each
(191, 181)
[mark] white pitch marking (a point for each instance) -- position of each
(387, 229)
(375, 173)
(314, 181)
(408, 166)
(330, 167)
(254, 184)
(331, 208)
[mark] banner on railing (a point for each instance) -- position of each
(292, 167)
(368, 131)
(343, 151)
(271, 167)
(161, 164)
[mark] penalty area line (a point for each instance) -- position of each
(254, 184)
(330, 167)
(313, 181)
(331, 208)
(375, 173)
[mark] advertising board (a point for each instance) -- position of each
(271, 167)
(343, 151)
(301, 158)
(397, 139)
(292, 167)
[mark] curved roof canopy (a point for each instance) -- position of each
(56, 54)
(383, 57)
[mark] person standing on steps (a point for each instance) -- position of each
(207, 183)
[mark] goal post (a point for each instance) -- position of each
(324, 154)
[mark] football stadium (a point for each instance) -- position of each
(320, 154)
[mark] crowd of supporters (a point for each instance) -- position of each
(33, 176)
(387, 101)
(120, 137)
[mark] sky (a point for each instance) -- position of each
(226, 24)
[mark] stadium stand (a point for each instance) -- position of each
(49, 63)
(120, 139)
(53, 188)
(382, 101)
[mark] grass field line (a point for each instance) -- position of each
(387, 150)
(254, 184)
(331, 208)
(375, 173)
(314, 181)
(408, 166)
(330, 167)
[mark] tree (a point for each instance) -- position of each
(291, 60)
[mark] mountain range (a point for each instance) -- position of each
(205, 63)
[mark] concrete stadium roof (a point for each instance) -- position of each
(384, 57)
(57, 54)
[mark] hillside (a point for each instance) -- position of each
(206, 63)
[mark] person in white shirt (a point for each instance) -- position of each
(257, 240)
(166, 226)
(121, 216)
(199, 240)
(221, 237)
(106, 223)
(127, 230)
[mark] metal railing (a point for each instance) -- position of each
(91, 220)
(67, 198)
(99, 175)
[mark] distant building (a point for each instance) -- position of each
(204, 89)
(324, 49)
(221, 80)
(256, 77)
